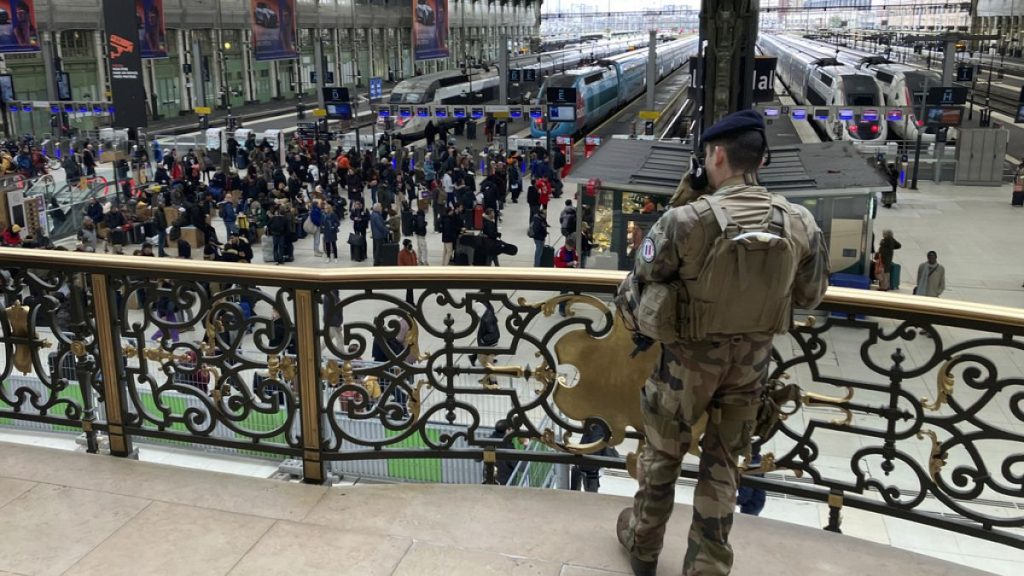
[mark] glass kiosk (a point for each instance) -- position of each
(620, 216)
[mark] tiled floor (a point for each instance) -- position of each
(76, 514)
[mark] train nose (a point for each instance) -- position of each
(864, 130)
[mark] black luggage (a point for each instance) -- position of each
(137, 234)
(150, 229)
(547, 257)
(408, 222)
(461, 258)
(1018, 199)
(389, 255)
(118, 237)
(507, 249)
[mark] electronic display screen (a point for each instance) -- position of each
(799, 114)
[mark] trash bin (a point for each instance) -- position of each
(858, 281)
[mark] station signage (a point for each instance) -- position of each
(125, 64)
(565, 95)
(337, 103)
(947, 96)
(764, 78)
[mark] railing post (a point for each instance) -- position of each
(308, 352)
(835, 508)
(85, 363)
(490, 461)
(110, 367)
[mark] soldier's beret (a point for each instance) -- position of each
(742, 121)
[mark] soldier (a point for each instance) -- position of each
(734, 264)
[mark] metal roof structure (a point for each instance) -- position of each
(828, 167)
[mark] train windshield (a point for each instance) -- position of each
(861, 90)
(406, 98)
(560, 81)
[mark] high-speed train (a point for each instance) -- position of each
(815, 78)
(479, 85)
(902, 85)
(608, 85)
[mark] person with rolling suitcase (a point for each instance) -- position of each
(539, 232)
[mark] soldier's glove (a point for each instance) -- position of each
(642, 344)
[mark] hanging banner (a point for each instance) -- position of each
(274, 29)
(152, 32)
(123, 55)
(18, 32)
(430, 29)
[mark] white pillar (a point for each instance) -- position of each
(101, 66)
(184, 97)
(247, 79)
(215, 67)
(275, 86)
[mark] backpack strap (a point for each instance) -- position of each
(779, 214)
(726, 225)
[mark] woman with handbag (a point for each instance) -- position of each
(329, 226)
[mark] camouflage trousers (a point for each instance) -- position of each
(721, 378)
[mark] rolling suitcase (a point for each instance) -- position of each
(894, 276)
(478, 217)
(137, 234)
(407, 222)
(547, 257)
(118, 237)
(389, 255)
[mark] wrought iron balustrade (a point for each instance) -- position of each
(909, 407)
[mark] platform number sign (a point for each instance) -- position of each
(529, 75)
(337, 102)
(515, 76)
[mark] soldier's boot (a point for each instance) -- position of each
(640, 567)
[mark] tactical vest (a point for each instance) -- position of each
(745, 283)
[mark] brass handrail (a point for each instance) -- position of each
(995, 318)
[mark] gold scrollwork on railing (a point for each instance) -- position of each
(937, 456)
(78, 348)
(510, 370)
(18, 316)
(549, 306)
(546, 376)
(549, 439)
(944, 383)
(813, 399)
(415, 403)
(155, 355)
(412, 342)
(281, 368)
(608, 385)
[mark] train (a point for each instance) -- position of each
(903, 86)
(815, 78)
(480, 85)
(607, 85)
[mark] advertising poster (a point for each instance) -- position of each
(152, 32)
(18, 32)
(274, 30)
(429, 29)
(125, 61)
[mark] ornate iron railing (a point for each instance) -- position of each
(909, 407)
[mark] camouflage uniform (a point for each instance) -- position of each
(719, 376)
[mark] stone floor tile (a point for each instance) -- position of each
(170, 539)
(279, 500)
(290, 548)
(49, 528)
(11, 488)
(430, 559)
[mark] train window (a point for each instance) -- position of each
(825, 78)
(453, 80)
(815, 98)
(884, 77)
(596, 77)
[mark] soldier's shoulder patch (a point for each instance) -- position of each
(648, 250)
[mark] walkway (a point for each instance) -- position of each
(143, 519)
